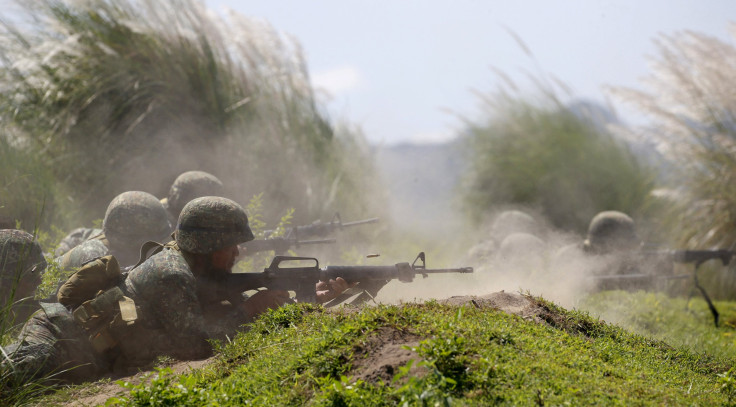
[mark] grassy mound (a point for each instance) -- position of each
(436, 354)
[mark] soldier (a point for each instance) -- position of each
(174, 290)
(131, 219)
(506, 223)
(610, 249)
(521, 254)
(51, 347)
(611, 232)
(178, 289)
(187, 186)
(74, 239)
(21, 265)
(178, 304)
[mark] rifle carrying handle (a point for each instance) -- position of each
(277, 260)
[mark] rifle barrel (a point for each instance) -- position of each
(315, 241)
(456, 270)
(360, 222)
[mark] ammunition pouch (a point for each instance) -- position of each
(99, 305)
(105, 316)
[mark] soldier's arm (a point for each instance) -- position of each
(180, 314)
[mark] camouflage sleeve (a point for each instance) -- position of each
(51, 344)
(180, 315)
(89, 250)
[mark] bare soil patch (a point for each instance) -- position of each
(97, 394)
(380, 357)
(516, 304)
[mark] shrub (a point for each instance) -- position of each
(125, 95)
(545, 156)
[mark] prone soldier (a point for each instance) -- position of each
(187, 186)
(178, 299)
(132, 218)
(21, 265)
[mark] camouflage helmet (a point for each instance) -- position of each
(513, 221)
(134, 217)
(190, 185)
(611, 231)
(19, 252)
(210, 223)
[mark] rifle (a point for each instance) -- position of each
(303, 279)
(318, 228)
(695, 257)
(279, 245)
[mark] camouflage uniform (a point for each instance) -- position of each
(51, 345)
(74, 239)
(522, 254)
(21, 265)
(610, 249)
(174, 305)
(506, 223)
(131, 219)
(187, 186)
(175, 297)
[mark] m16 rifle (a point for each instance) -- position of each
(695, 257)
(318, 229)
(279, 245)
(286, 273)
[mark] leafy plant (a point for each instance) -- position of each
(89, 87)
(545, 156)
(690, 97)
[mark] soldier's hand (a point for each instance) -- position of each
(328, 290)
(264, 300)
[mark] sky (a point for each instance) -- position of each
(404, 71)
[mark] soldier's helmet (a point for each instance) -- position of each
(611, 231)
(190, 185)
(210, 223)
(513, 221)
(20, 253)
(134, 217)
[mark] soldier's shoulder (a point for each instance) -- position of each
(86, 251)
(163, 265)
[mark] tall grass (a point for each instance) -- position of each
(121, 95)
(539, 153)
(690, 98)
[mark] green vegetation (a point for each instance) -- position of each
(300, 355)
(679, 321)
(90, 87)
(545, 156)
(690, 99)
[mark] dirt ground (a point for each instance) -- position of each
(109, 388)
(375, 360)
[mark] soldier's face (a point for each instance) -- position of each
(224, 259)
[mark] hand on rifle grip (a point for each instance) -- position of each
(264, 300)
(328, 290)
